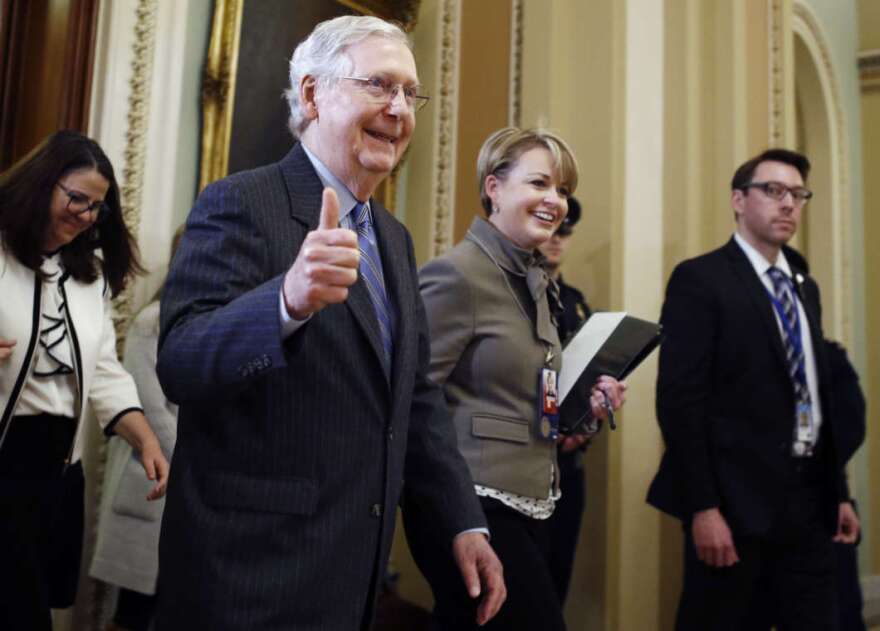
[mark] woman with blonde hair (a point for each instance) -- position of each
(496, 352)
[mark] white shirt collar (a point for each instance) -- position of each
(757, 259)
(347, 200)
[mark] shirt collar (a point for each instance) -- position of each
(347, 200)
(757, 259)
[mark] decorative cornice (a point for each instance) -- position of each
(445, 163)
(777, 72)
(516, 44)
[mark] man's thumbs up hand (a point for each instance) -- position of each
(325, 267)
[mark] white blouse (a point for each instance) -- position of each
(52, 386)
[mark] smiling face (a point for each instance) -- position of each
(358, 139)
(766, 223)
(65, 226)
(530, 202)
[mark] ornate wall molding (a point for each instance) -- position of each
(95, 595)
(516, 47)
(444, 176)
(806, 25)
(777, 37)
(134, 155)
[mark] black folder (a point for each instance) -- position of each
(609, 343)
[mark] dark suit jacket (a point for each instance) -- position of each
(725, 402)
(291, 456)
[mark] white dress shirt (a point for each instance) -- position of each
(761, 265)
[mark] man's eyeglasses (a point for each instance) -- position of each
(78, 204)
(382, 91)
(778, 190)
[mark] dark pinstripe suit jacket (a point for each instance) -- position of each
(291, 457)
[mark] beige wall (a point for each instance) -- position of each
(484, 82)
(660, 108)
(869, 40)
(569, 84)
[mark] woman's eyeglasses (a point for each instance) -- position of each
(78, 204)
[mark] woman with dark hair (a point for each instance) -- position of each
(65, 251)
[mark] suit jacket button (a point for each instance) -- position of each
(376, 510)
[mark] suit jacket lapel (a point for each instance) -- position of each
(757, 293)
(303, 186)
(305, 190)
(364, 313)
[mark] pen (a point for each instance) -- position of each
(610, 411)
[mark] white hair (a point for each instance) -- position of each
(322, 55)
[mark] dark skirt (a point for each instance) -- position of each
(41, 521)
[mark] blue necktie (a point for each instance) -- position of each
(371, 271)
(786, 308)
(791, 338)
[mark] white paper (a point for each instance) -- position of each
(583, 347)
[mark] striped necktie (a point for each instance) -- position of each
(371, 271)
(786, 309)
(791, 333)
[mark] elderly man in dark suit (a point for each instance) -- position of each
(294, 339)
(751, 464)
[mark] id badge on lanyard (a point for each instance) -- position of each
(804, 433)
(548, 404)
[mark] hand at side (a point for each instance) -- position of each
(713, 539)
(482, 573)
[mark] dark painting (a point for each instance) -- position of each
(270, 30)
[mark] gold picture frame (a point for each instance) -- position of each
(220, 76)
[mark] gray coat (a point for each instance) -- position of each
(489, 340)
(127, 549)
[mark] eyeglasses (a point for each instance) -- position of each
(78, 204)
(381, 91)
(778, 190)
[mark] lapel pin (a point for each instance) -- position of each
(799, 278)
